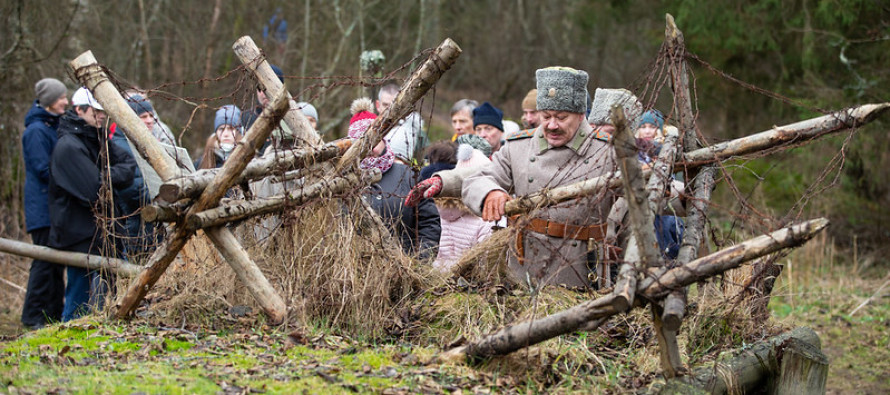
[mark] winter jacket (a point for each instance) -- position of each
(428, 171)
(461, 230)
(38, 142)
(77, 171)
(529, 164)
(417, 228)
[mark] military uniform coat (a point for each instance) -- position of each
(529, 164)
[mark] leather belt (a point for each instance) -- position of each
(593, 234)
(555, 229)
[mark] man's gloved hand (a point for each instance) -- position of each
(495, 205)
(425, 189)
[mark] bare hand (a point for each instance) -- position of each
(495, 205)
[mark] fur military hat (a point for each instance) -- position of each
(604, 99)
(562, 89)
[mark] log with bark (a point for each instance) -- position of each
(752, 368)
(420, 82)
(776, 138)
(238, 210)
(654, 287)
(191, 186)
(77, 259)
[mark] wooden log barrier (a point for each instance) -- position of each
(78, 259)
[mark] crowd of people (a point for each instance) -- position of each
(77, 162)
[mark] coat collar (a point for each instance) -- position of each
(584, 130)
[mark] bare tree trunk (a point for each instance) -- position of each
(146, 44)
(211, 42)
(86, 261)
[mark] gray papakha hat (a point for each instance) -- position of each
(604, 99)
(562, 89)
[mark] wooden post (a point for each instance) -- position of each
(86, 261)
(803, 369)
(676, 47)
(412, 90)
(253, 59)
(87, 70)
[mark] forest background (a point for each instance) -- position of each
(788, 60)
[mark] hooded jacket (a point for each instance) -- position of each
(38, 142)
(77, 170)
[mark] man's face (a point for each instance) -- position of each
(384, 103)
(491, 134)
(261, 98)
(530, 118)
(462, 122)
(58, 107)
(226, 134)
(560, 126)
(93, 117)
(148, 119)
(647, 131)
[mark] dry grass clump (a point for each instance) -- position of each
(486, 262)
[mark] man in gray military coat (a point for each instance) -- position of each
(557, 244)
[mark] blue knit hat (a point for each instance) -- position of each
(140, 104)
(486, 114)
(227, 115)
(654, 117)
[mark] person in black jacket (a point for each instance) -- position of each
(82, 161)
(418, 228)
(46, 280)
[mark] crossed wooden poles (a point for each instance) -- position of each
(643, 279)
(195, 196)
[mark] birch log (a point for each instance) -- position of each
(442, 58)
(238, 210)
(191, 186)
(787, 135)
(777, 137)
(86, 261)
(253, 59)
(676, 47)
(518, 336)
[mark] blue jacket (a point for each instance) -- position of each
(38, 142)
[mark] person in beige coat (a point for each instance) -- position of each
(559, 244)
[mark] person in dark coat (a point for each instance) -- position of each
(81, 162)
(418, 228)
(44, 297)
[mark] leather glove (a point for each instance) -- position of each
(425, 189)
(495, 204)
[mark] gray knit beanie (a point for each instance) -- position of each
(308, 110)
(49, 90)
(562, 89)
(476, 142)
(603, 101)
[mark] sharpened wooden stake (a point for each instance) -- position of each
(420, 82)
(251, 56)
